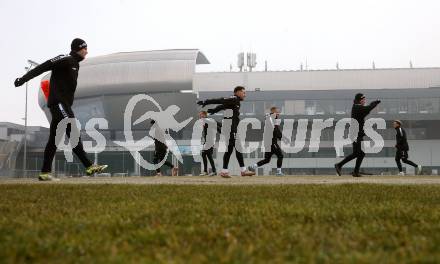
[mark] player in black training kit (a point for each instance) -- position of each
(161, 149)
(358, 112)
(63, 82)
(273, 119)
(232, 103)
(402, 148)
(207, 151)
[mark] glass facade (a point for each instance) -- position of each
(342, 107)
(419, 110)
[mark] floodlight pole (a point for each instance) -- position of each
(31, 64)
(25, 127)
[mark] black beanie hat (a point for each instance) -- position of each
(358, 97)
(78, 44)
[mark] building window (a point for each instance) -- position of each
(294, 107)
(247, 108)
(259, 108)
(428, 105)
(278, 104)
(311, 108)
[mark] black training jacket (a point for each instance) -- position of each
(63, 79)
(359, 112)
(277, 134)
(232, 103)
(205, 131)
(401, 141)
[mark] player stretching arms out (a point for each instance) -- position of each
(232, 103)
(358, 112)
(63, 82)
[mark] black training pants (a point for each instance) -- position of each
(403, 155)
(274, 149)
(59, 112)
(228, 153)
(357, 154)
(159, 155)
(207, 155)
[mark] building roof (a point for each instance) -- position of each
(136, 72)
(21, 127)
(360, 79)
(150, 55)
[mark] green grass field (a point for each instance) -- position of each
(189, 223)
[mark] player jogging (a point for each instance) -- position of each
(272, 122)
(402, 148)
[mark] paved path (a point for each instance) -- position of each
(256, 180)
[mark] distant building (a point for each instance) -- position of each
(410, 95)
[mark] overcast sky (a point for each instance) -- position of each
(285, 33)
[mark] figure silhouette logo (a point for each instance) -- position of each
(164, 121)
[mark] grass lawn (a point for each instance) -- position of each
(189, 223)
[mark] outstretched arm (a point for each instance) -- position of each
(222, 101)
(44, 67)
(371, 106)
(216, 109)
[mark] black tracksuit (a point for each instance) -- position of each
(160, 151)
(207, 154)
(402, 149)
(274, 149)
(359, 112)
(232, 103)
(63, 82)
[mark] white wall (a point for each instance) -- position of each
(320, 80)
(3, 133)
